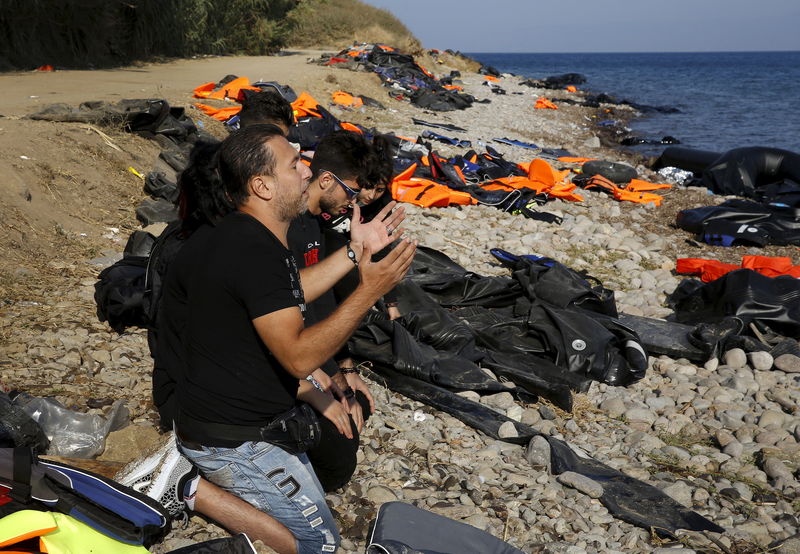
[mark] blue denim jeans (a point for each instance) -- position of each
(275, 482)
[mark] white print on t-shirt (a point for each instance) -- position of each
(297, 286)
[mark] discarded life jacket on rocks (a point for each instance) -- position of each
(428, 194)
(104, 505)
(742, 222)
(770, 302)
(709, 270)
(635, 191)
(543, 103)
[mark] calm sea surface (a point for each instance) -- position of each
(727, 99)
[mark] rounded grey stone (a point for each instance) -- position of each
(733, 449)
(735, 358)
(582, 483)
(788, 363)
(538, 452)
(760, 360)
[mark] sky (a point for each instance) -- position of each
(600, 25)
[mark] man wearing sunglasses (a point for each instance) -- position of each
(339, 168)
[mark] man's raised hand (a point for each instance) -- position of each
(381, 231)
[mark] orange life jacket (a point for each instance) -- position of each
(221, 114)
(428, 194)
(232, 90)
(571, 88)
(453, 87)
(637, 185)
(491, 78)
(350, 127)
(346, 99)
(305, 106)
(635, 194)
(574, 159)
(543, 103)
(710, 270)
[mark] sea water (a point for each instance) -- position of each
(726, 99)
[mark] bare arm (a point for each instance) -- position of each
(320, 277)
(301, 350)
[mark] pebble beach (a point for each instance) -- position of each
(722, 438)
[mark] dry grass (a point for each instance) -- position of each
(335, 24)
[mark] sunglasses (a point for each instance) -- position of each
(351, 192)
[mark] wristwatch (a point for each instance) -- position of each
(351, 254)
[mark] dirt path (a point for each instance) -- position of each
(24, 93)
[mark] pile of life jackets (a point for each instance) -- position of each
(404, 76)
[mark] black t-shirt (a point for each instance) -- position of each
(305, 242)
(169, 354)
(231, 377)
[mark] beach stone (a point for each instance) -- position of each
(507, 430)
(733, 449)
(788, 363)
(501, 400)
(677, 452)
(613, 406)
(755, 529)
(547, 412)
(531, 417)
(771, 418)
(470, 395)
(480, 521)
(735, 358)
(744, 491)
(538, 452)
(777, 469)
(724, 438)
(760, 360)
(680, 492)
(640, 414)
(711, 365)
(380, 494)
(582, 483)
(515, 413)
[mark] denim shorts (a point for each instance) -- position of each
(276, 482)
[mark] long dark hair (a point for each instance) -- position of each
(202, 199)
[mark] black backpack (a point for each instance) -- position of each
(128, 292)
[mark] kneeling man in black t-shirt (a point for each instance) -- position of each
(245, 342)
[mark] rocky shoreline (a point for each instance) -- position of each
(723, 438)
